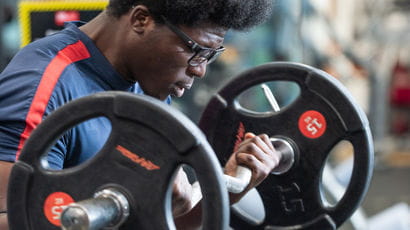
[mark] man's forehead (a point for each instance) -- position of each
(207, 28)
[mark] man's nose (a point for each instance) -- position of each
(198, 71)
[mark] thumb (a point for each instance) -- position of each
(249, 135)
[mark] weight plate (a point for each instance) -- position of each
(148, 141)
(320, 117)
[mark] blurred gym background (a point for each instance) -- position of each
(363, 43)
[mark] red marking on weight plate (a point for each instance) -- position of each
(54, 205)
(240, 135)
(312, 124)
(137, 159)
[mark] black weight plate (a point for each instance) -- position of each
(323, 115)
(148, 141)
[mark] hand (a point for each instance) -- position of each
(181, 194)
(256, 153)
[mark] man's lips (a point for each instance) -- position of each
(179, 88)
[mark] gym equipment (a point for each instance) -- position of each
(304, 133)
(128, 182)
(323, 115)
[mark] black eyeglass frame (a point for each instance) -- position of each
(201, 53)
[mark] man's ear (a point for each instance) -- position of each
(140, 19)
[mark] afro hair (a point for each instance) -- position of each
(229, 14)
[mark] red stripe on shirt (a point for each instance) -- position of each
(52, 73)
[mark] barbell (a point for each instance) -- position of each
(304, 132)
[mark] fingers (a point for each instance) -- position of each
(260, 147)
(267, 141)
(181, 194)
(260, 169)
(258, 154)
(249, 135)
(262, 141)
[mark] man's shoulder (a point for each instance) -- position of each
(38, 54)
(52, 44)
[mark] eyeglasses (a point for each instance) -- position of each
(202, 54)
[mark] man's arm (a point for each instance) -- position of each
(5, 169)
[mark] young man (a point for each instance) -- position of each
(152, 47)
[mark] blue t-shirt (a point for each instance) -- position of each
(45, 75)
